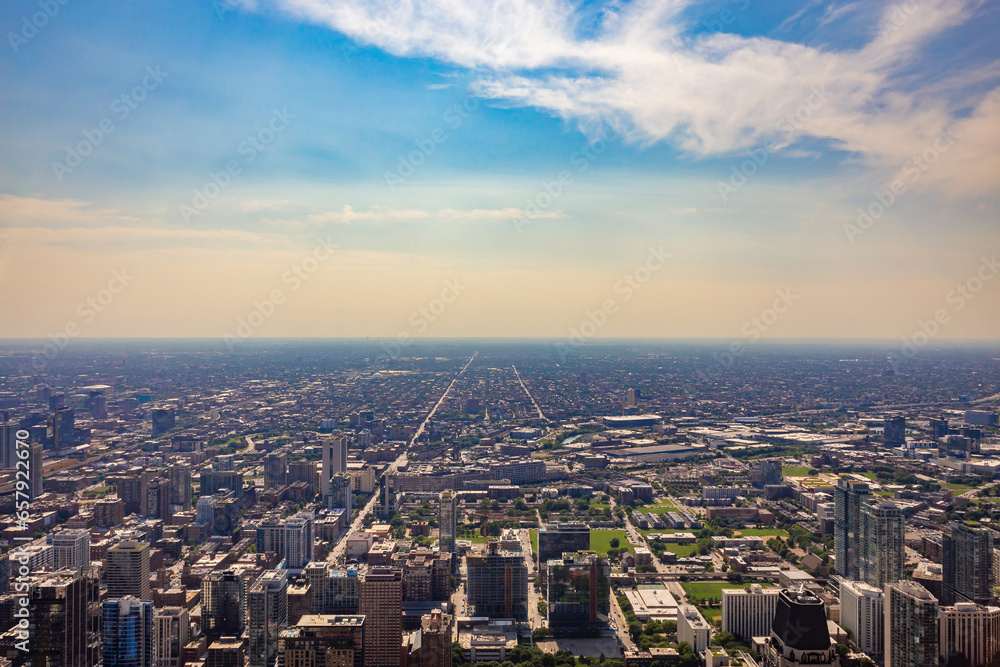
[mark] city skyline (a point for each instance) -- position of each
(350, 169)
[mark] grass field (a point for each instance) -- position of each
(958, 489)
(795, 471)
(710, 590)
(534, 541)
(681, 550)
(661, 508)
(762, 532)
(600, 540)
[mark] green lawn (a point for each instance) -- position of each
(658, 509)
(958, 489)
(711, 590)
(682, 550)
(534, 541)
(795, 471)
(762, 532)
(600, 540)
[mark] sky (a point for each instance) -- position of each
(730, 169)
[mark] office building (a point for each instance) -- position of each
(171, 628)
(304, 471)
(911, 626)
(799, 633)
(435, 640)
(882, 552)
(127, 570)
(275, 470)
(65, 618)
(748, 612)
(968, 634)
(70, 548)
(578, 591)
(226, 652)
(267, 609)
(127, 632)
(862, 612)
(333, 590)
(764, 472)
(213, 481)
(380, 601)
(894, 434)
(36, 479)
(164, 419)
(341, 493)
(967, 559)
(388, 500)
(448, 518)
(8, 442)
(224, 602)
(693, 628)
(555, 539)
(848, 497)
(322, 640)
(497, 584)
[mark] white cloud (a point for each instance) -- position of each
(383, 214)
(718, 94)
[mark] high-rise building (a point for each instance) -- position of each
(65, 619)
(968, 634)
(748, 612)
(304, 471)
(130, 488)
(171, 627)
(341, 494)
(70, 548)
(693, 628)
(8, 442)
(267, 611)
(334, 461)
(213, 481)
(226, 652)
(127, 570)
(765, 471)
(911, 626)
(497, 583)
(799, 633)
(109, 512)
(862, 612)
(631, 399)
(882, 543)
(179, 475)
(435, 639)
(967, 559)
(555, 539)
(156, 497)
(388, 500)
(380, 593)
(319, 640)
(275, 469)
(224, 602)
(578, 590)
(164, 419)
(36, 479)
(293, 538)
(127, 632)
(894, 434)
(447, 521)
(333, 591)
(848, 497)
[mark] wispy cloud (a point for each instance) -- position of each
(709, 95)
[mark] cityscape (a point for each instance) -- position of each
(499, 333)
(302, 503)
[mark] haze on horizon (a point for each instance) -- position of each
(500, 168)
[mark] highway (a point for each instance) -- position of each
(525, 388)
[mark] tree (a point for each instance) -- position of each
(615, 542)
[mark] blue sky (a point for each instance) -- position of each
(689, 92)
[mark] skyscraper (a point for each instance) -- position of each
(70, 548)
(765, 471)
(328, 640)
(848, 498)
(894, 434)
(65, 618)
(341, 492)
(555, 539)
(967, 559)
(380, 593)
(299, 540)
(127, 570)
(180, 486)
(882, 551)
(267, 610)
(498, 583)
(447, 521)
(388, 501)
(275, 469)
(911, 626)
(435, 639)
(578, 590)
(171, 627)
(862, 612)
(799, 633)
(334, 461)
(127, 632)
(224, 602)
(35, 469)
